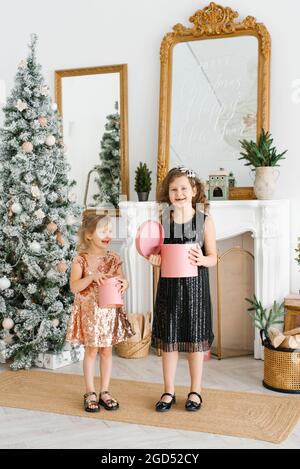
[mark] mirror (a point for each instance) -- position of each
(93, 105)
(214, 92)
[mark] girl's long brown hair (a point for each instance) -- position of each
(88, 226)
(199, 198)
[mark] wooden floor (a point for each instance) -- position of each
(28, 429)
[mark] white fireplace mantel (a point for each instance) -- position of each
(267, 220)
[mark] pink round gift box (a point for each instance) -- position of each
(109, 293)
(175, 261)
(149, 238)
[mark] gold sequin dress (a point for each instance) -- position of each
(89, 324)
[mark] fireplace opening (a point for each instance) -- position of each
(231, 281)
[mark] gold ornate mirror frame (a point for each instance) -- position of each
(214, 21)
(122, 70)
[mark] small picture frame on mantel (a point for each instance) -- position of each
(241, 193)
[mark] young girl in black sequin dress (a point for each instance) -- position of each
(182, 314)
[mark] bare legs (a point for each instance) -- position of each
(105, 368)
(89, 360)
(169, 363)
(195, 360)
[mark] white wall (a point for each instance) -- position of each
(78, 33)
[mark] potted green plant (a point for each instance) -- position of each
(143, 182)
(262, 319)
(281, 365)
(263, 157)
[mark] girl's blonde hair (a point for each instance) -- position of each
(88, 227)
(199, 198)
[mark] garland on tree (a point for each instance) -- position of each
(108, 180)
(38, 221)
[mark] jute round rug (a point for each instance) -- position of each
(241, 414)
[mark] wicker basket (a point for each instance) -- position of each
(282, 369)
(137, 346)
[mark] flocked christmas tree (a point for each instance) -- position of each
(108, 178)
(38, 221)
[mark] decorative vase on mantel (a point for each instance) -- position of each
(142, 182)
(264, 158)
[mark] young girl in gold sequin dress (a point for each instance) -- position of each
(97, 328)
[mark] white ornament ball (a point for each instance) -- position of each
(42, 121)
(54, 106)
(35, 247)
(7, 323)
(4, 283)
(16, 208)
(9, 339)
(27, 147)
(55, 322)
(50, 140)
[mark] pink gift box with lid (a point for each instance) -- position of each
(175, 260)
(109, 293)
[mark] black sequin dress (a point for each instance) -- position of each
(182, 314)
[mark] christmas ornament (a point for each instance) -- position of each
(39, 214)
(27, 147)
(35, 191)
(21, 105)
(52, 227)
(60, 239)
(35, 247)
(51, 274)
(42, 121)
(9, 339)
(61, 267)
(4, 283)
(55, 322)
(16, 208)
(54, 106)
(50, 140)
(7, 324)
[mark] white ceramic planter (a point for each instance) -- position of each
(265, 182)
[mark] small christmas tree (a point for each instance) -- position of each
(37, 221)
(108, 179)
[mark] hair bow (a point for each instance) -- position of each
(189, 172)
